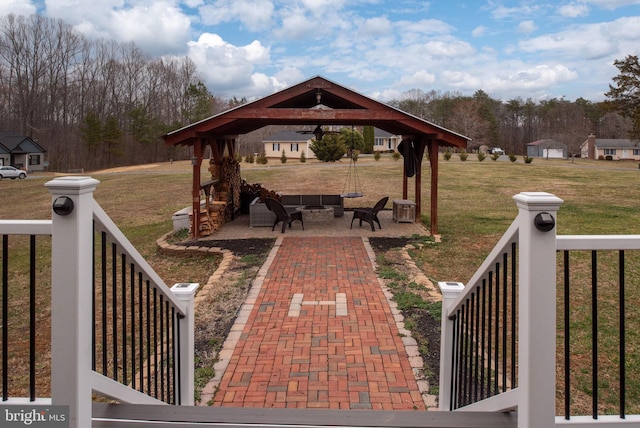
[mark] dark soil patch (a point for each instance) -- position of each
(239, 247)
(383, 244)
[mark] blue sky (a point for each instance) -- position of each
(528, 49)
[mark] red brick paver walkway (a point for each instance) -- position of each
(303, 347)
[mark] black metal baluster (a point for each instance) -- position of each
(133, 326)
(104, 303)
(514, 327)
(161, 349)
(149, 338)
(124, 317)
(623, 373)
(454, 365)
(567, 341)
(483, 339)
(32, 318)
(465, 352)
(168, 353)
(5, 317)
(140, 332)
(504, 321)
(594, 331)
(490, 336)
(496, 360)
(93, 299)
(114, 308)
(155, 339)
(476, 329)
(178, 377)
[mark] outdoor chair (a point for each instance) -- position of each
(370, 214)
(282, 215)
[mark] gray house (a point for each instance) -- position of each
(548, 149)
(21, 152)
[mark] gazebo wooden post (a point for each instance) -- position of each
(196, 161)
(433, 160)
(405, 183)
(419, 148)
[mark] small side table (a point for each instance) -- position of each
(404, 211)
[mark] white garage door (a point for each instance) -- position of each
(552, 153)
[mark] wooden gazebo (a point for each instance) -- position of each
(322, 102)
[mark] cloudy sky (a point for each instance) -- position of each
(531, 49)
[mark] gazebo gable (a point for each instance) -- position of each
(316, 101)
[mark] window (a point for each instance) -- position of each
(276, 147)
(294, 147)
(609, 151)
(636, 152)
(34, 159)
(379, 142)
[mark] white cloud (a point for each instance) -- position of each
(524, 9)
(527, 27)
(589, 41)
(228, 68)
(157, 27)
(502, 81)
(613, 4)
(574, 10)
(479, 31)
(17, 7)
(418, 79)
(376, 26)
(254, 15)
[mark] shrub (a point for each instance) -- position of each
(396, 155)
(303, 158)
(528, 159)
(513, 157)
(377, 155)
(447, 155)
(249, 158)
(463, 155)
(262, 158)
(283, 157)
(329, 149)
(481, 156)
(495, 156)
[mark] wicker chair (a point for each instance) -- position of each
(282, 215)
(370, 215)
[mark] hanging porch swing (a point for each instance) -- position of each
(352, 187)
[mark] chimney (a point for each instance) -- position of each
(591, 145)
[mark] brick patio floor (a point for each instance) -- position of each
(319, 333)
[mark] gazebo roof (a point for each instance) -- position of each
(317, 101)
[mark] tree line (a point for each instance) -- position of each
(98, 103)
(94, 104)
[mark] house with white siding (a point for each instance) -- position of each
(294, 143)
(610, 148)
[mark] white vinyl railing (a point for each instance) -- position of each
(76, 219)
(501, 356)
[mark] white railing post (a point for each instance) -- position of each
(450, 291)
(71, 295)
(537, 309)
(186, 293)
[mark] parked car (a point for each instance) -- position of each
(12, 173)
(496, 150)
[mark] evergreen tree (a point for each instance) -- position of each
(112, 138)
(368, 134)
(626, 93)
(199, 103)
(329, 149)
(91, 131)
